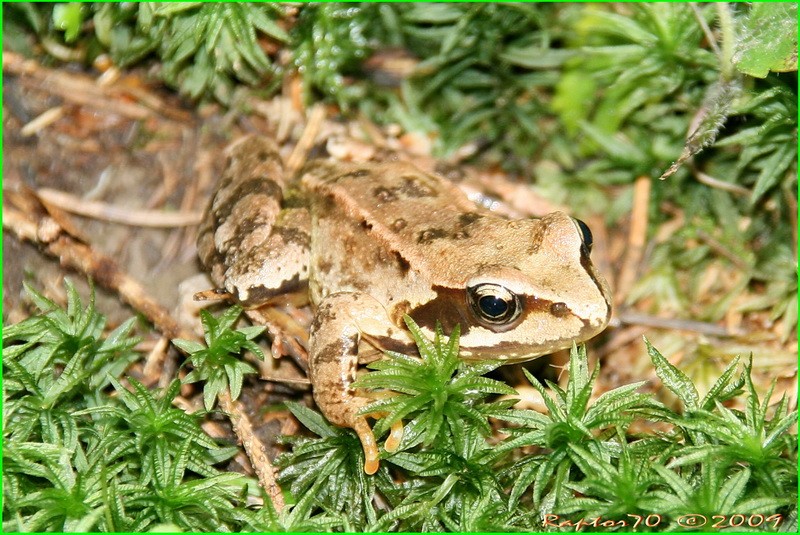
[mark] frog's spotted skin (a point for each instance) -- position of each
(252, 247)
(371, 242)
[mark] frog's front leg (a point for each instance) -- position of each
(343, 322)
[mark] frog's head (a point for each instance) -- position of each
(542, 296)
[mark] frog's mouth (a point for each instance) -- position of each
(506, 351)
(531, 340)
(508, 355)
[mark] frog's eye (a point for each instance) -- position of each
(586, 234)
(493, 304)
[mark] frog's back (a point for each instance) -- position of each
(422, 218)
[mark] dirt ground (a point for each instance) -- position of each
(142, 159)
(127, 149)
(135, 150)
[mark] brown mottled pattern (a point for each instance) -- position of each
(402, 263)
(390, 230)
(253, 169)
(586, 264)
(266, 265)
(444, 240)
(387, 343)
(347, 257)
(334, 360)
(384, 194)
(369, 243)
(395, 233)
(468, 218)
(401, 205)
(538, 235)
(415, 187)
(259, 294)
(331, 386)
(241, 230)
(229, 198)
(293, 235)
(360, 173)
(450, 172)
(430, 234)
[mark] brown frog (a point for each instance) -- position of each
(371, 242)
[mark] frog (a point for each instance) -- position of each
(368, 244)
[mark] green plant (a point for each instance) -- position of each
(713, 462)
(330, 468)
(330, 41)
(78, 457)
(437, 391)
(716, 435)
(58, 359)
(571, 421)
(218, 363)
(205, 49)
(584, 462)
(581, 97)
(446, 402)
(445, 454)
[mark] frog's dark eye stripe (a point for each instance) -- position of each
(586, 234)
(493, 304)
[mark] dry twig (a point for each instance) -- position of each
(710, 181)
(26, 217)
(118, 214)
(702, 327)
(154, 362)
(298, 157)
(86, 91)
(637, 236)
(42, 121)
(254, 448)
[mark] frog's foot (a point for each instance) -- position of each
(395, 432)
(287, 338)
(370, 446)
(333, 361)
(368, 443)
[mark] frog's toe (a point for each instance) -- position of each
(371, 466)
(395, 437)
(368, 444)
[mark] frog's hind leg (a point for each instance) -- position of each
(248, 195)
(254, 248)
(336, 333)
